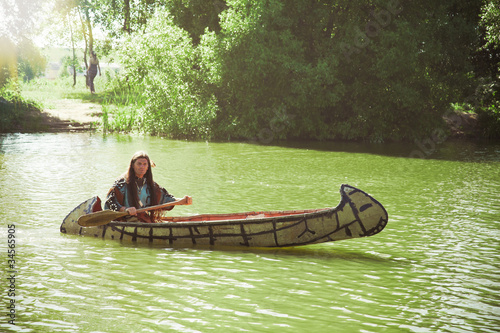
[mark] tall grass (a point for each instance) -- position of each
(121, 105)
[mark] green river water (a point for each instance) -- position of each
(434, 268)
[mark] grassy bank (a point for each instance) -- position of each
(119, 102)
(48, 92)
(18, 114)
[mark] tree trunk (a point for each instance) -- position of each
(89, 29)
(126, 21)
(73, 62)
(85, 26)
(84, 33)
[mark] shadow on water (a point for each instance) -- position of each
(310, 251)
(460, 150)
(451, 150)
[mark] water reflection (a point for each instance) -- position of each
(451, 149)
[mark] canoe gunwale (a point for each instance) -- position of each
(286, 216)
(256, 220)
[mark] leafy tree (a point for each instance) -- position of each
(486, 98)
(195, 16)
(163, 62)
(18, 21)
(374, 70)
(119, 17)
(490, 20)
(19, 18)
(348, 70)
(8, 60)
(408, 66)
(31, 63)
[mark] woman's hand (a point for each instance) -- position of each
(131, 210)
(189, 200)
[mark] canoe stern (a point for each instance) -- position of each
(70, 224)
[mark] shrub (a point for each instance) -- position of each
(163, 62)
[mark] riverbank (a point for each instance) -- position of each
(78, 115)
(49, 106)
(26, 116)
(463, 125)
(69, 115)
(62, 114)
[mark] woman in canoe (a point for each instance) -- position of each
(136, 189)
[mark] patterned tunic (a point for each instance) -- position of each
(119, 196)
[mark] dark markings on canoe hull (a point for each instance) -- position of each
(244, 235)
(306, 229)
(365, 207)
(211, 235)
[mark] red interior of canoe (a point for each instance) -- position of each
(237, 216)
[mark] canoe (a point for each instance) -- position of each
(357, 215)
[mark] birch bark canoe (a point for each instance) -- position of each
(357, 215)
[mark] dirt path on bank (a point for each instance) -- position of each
(70, 115)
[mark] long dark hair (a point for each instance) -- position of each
(130, 178)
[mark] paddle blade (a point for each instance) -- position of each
(99, 218)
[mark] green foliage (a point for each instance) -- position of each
(162, 62)
(31, 63)
(342, 72)
(401, 74)
(489, 120)
(65, 62)
(195, 16)
(267, 69)
(47, 92)
(17, 113)
(8, 61)
(490, 20)
(487, 107)
(120, 103)
(486, 98)
(121, 17)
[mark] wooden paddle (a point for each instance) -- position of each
(105, 216)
